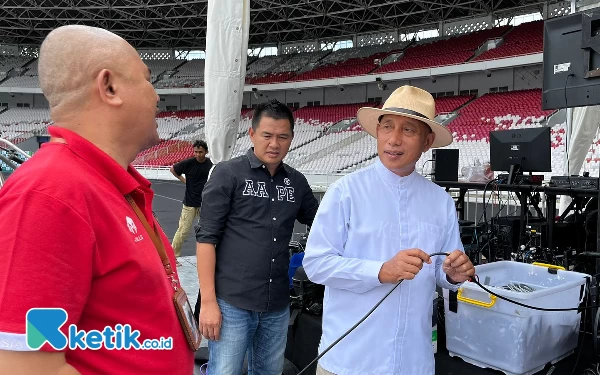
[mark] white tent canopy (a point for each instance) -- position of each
(227, 31)
(582, 125)
(582, 132)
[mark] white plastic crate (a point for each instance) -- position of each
(489, 332)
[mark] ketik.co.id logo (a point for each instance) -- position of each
(44, 326)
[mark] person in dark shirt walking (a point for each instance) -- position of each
(250, 206)
(196, 171)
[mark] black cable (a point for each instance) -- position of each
(484, 216)
(350, 330)
(359, 322)
(484, 213)
(531, 307)
(425, 163)
(474, 280)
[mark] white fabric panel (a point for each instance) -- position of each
(583, 131)
(228, 25)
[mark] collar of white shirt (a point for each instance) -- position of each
(393, 179)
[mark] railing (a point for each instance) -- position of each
(319, 182)
(11, 163)
(155, 173)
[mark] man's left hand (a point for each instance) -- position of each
(458, 267)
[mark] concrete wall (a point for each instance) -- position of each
(13, 99)
(481, 82)
(351, 94)
(441, 84)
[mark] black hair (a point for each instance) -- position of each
(272, 109)
(201, 143)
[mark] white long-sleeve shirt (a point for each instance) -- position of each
(365, 219)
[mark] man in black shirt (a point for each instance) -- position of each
(196, 171)
(250, 206)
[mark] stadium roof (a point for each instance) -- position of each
(182, 23)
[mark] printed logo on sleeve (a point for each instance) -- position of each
(44, 326)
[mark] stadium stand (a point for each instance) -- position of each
(523, 39)
(10, 63)
(175, 130)
(161, 66)
(344, 63)
(333, 127)
(341, 155)
(288, 67)
(190, 74)
(440, 52)
(350, 62)
(21, 81)
(327, 115)
(19, 124)
(320, 147)
(262, 66)
(390, 57)
(28, 76)
(327, 138)
(498, 111)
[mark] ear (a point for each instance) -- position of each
(429, 139)
(108, 89)
(251, 133)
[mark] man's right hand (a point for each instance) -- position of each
(403, 266)
(210, 320)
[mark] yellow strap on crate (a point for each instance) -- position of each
(475, 302)
(552, 266)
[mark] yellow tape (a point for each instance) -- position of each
(475, 302)
(549, 266)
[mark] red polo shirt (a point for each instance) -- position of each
(69, 239)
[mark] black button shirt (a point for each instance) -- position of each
(196, 174)
(249, 215)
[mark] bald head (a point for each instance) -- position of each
(70, 59)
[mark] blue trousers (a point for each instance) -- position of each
(262, 336)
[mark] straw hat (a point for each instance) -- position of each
(410, 102)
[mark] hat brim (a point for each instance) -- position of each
(368, 117)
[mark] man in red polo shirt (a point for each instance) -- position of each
(71, 240)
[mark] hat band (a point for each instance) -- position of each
(406, 112)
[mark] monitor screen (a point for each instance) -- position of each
(529, 148)
(571, 61)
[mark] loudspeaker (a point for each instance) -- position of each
(445, 165)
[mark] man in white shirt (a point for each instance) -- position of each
(377, 226)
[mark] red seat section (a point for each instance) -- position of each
(524, 39)
(498, 111)
(326, 115)
(448, 104)
(351, 67)
(454, 50)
